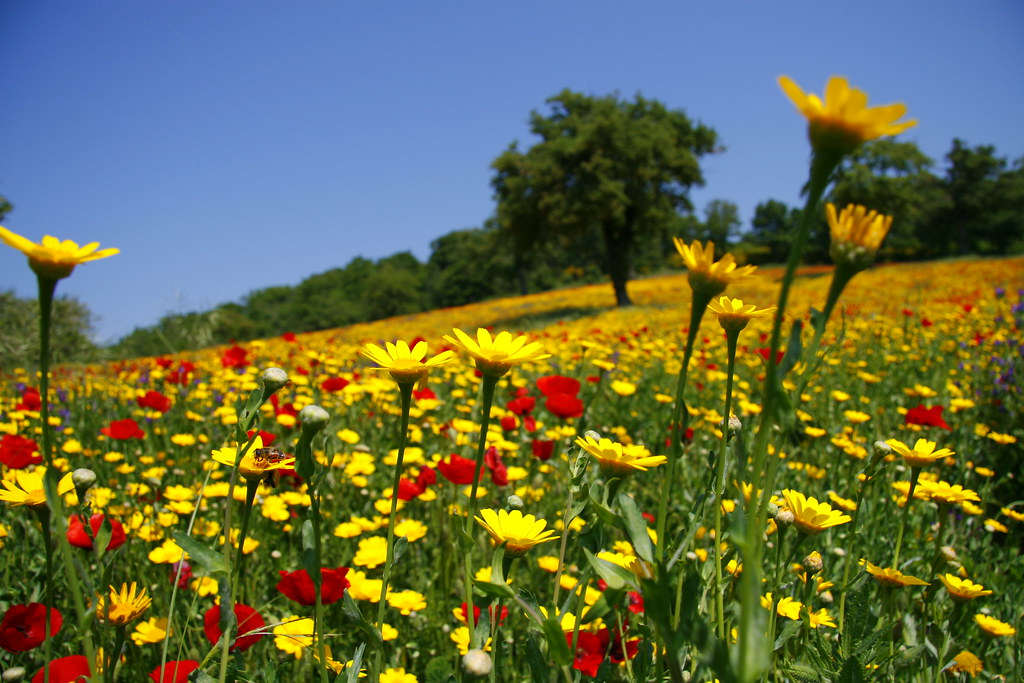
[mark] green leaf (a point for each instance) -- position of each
(401, 545)
(357, 663)
(203, 677)
(309, 562)
(438, 670)
(615, 576)
(791, 629)
(350, 609)
(497, 590)
(103, 535)
(852, 672)
(643, 659)
(558, 648)
(539, 668)
(211, 561)
(793, 350)
(636, 527)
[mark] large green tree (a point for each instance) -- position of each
(772, 229)
(612, 170)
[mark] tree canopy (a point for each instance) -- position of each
(604, 169)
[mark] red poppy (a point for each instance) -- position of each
(164, 362)
(457, 470)
(427, 477)
(235, 357)
(71, 669)
(460, 614)
(766, 354)
(522, 405)
(508, 423)
(248, 620)
(298, 586)
(174, 672)
(30, 400)
(558, 384)
(424, 393)
(408, 490)
(184, 576)
(18, 452)
(78, 537)
(180, 376)
(266, 437)
(564, 405)
(123, 430)
(23, 626)
(542, 449)
(590, 650)
(332, 384)
(288, 336)
(154, 400)
(499, 473)
(926, 417)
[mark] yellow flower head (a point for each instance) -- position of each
(495, 356)
(856, 234)
(966, 662)
(256, 462)
(54, 259)
(733, 314)
(993, 627)
(124, 607)
(962, 590)
(407, 601)
(27, 488)
(893, 578)
(707, 277)
(616, 460)
(843, 121)
(921, 455)
(405, 365)
(517, 531)
(810, 516)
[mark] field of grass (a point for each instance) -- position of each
(644, 583)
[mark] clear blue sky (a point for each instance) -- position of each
(225, 146)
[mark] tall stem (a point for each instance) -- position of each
(731, 339)
(914, 472)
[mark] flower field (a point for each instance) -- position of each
(815, 478)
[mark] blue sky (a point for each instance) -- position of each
(227, 146)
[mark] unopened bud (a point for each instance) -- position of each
(949, 554)
(477, 663)
(314, 417)
(734, 425)
(784, 517)
(881, 449)
(274, 379)
(514, 502)
(812, 563)
(826, 597)
(15, 673)
(84, 479)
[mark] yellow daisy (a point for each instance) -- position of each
(54, 259)
(517, 531)
(123, 607)
(27, 488)
(733, 314)
(405, 365)
(921, 455)
(856, 234)
(893, 578)
(495, 356)
(962, 590)
(616, 460)
(810, 516)
(706, 276)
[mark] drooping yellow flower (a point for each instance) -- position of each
(495, 356)
(153, 630)
(407, 601)
(256, 462)
(844, 121)
(54, 259)
(966, 662)
(707, 277)
(921, 455)
(893, 578)
(27, 488)
(517, 531)
(992, 626)
(616, 460)
(962, 590)
(811, 516)
(857, 233)
(124, 606)
(405, 365)
(733, 314)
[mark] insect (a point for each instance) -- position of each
(264, 457)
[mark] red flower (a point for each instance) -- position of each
(564, 405)
(123, 430)
(174, 672)
(164, 362)
(180, 376)
(926, 417)
(248, 620)
(558, 384)
(542, 449)
(460, 614)
(235, 357)
(590, 649)
(288, 336)
(407, 490)
(427, 477)
(332, 384)
(154, 400)
(18, 452)
(184, 576)
(457, 470)
(508, 423)
(23, 626)
(71, 669)
(78, 537)
(298, 586)
(499, 473)
(424, 393)
(266, 437)
(522, 405)
(766, 354)
(30, 400)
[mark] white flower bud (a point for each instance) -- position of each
(274, 379)
(477, 663)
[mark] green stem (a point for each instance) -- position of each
(112, 658)
(731, 339)
(851, 548)
(914, 472)
(250, 495)
(405, 389)
(699, 303)
(487, 386)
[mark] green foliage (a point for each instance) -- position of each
(608, 171)
(773, 227)
(19, 335)
(5, 207)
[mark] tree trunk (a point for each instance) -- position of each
(618, 245)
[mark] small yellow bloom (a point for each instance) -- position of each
(844, 121)
(966, 662)
(857, 233)
(517, 531)
(921, 455)
(893, 577)
(733, 314)
(255, 463)
(495, 356)
(407, 602)
(810, 516)
(153, 630)
(54, 259)
(397, 676)
(405, 365)
(705, 275)
(993, 627)
(123, 607)
(616, 460)
(293, 635)
(962, 590)
(27, 488)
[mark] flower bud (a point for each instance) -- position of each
(84, 479)
(812, 563)
(514, 502)
(881, 449)
(314, 417)
(784, 517)
(949, 554)
(477, 663)
(274, 379)
(13, 674)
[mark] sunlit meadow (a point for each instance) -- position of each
(815, 496)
